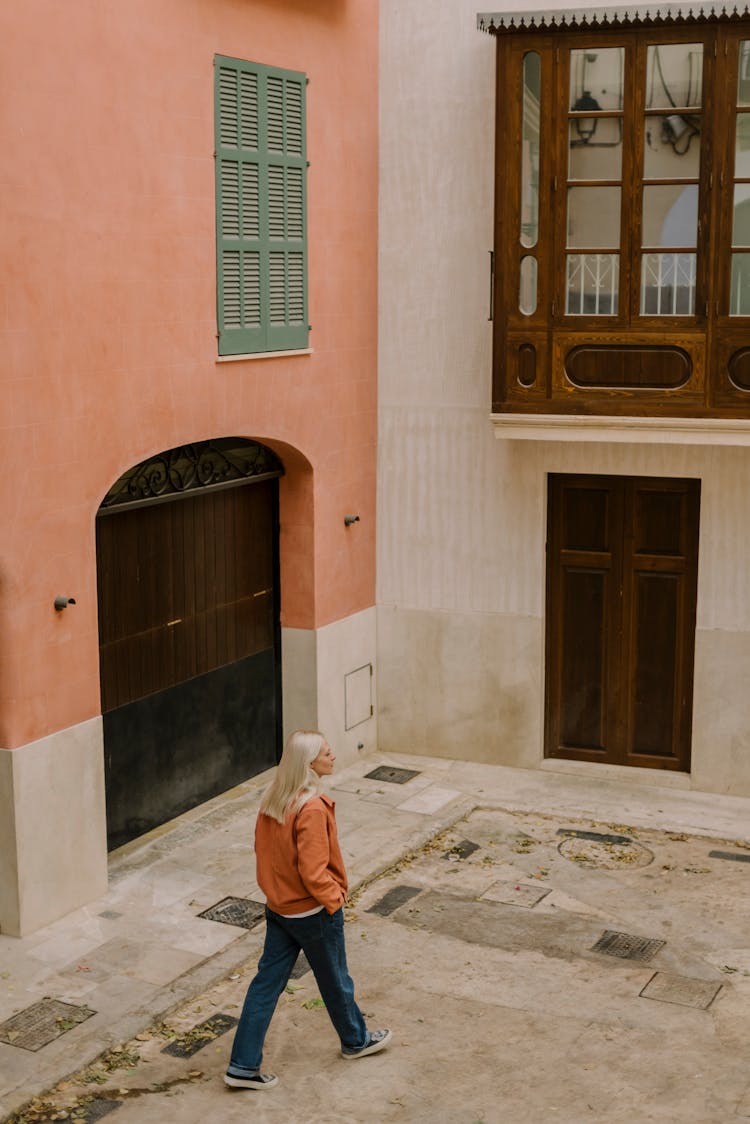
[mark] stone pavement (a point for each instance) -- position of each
(143, 951)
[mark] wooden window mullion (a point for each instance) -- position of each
(633, 186)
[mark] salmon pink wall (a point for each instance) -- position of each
(107, 307)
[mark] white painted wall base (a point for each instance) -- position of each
(461, 685)
(314, 667)
(470, 686)
(721, 712)
(53, 839)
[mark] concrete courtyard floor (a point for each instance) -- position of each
(546, 947)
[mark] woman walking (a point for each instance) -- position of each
(301, 871)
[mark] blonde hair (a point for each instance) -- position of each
(295, 782)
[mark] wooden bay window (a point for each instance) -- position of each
(622, 231)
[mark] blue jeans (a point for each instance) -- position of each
(321, 938)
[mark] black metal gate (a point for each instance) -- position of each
(187, 563)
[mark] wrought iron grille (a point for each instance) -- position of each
(188, 468)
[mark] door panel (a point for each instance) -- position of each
(655, 615)
(189, 651)
(620, 622)
(584, 636)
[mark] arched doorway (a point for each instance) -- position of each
(189, 636)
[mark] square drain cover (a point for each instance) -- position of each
(236, 911)
(733, 856)
(514, 893)
(194, 1040)
(681, 989)
(42, 1023)
(98, 1108)
(461, 850)
(626, 946)
(394, 776)
(390, 902)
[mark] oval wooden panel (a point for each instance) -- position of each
(629, 366)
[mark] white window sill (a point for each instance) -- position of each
(663, 431)
(263, 355)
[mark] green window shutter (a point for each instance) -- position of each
(261, 208)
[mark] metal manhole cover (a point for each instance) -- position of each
(626, 946)
(393, 776)
(683, 990)
(194, 1040)
(732, 855)
(42, 1023)
(236, 911)
(514, 893)
(396, 897)
(461, 850)
(601, 852)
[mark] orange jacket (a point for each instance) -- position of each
(299, 863)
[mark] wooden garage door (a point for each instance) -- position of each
(622, 560)
(189, 650)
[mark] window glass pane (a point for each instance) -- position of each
(670, 215)
(741, 223)
(597, 159)
(739, 300)
(592, 284)
(672, 147)
(743, 74)
(742, 146)
(674, 75)
(593, 217)
(527, 286)
(530, 149)
(668, 284)
(596, 79)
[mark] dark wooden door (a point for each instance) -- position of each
(622, 564)
(189, 651)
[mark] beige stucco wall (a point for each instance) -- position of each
(461, 515)
(52, 827)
